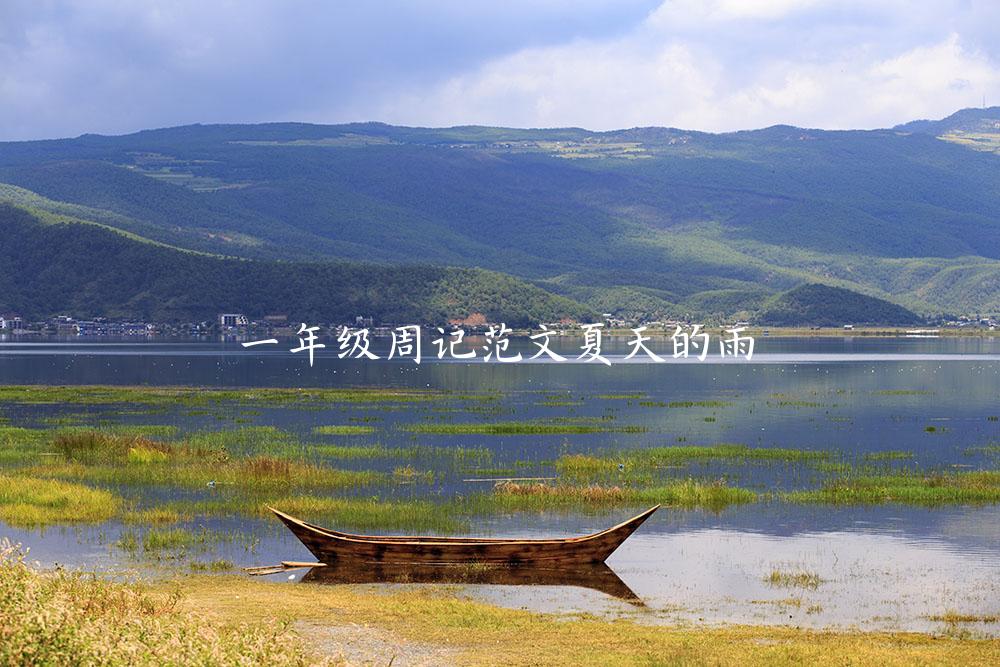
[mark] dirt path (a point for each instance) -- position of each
(367, 645)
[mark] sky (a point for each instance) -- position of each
(118, 66)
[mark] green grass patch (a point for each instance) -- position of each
(341, 429)
(910, 488)
(30, 501)
(640, 462)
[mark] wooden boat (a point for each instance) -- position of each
(332, 548)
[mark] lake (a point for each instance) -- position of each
(826, 404)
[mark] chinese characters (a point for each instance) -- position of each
(684, 343)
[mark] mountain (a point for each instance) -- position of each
(86, 270)
(825, 306)
(655, 222)
(974, 128)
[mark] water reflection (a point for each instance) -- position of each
(598, 577)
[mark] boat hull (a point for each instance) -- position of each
(333, 548)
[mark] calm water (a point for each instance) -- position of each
(888, 566)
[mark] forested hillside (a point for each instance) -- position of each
(654, 222)
(85, 271)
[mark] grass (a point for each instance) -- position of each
(520, 428)
(343, 430)
(201, 397)
(61, 618)
(911, 488)
(254, 473)
(687, 494)
(453, 455)
(795, 579)
(29, 502)
(64, 617)
(198, 461)
(176, 542)
(218, 565)
(953, 617)
(642, 462)
(374, 514)
(475, 633)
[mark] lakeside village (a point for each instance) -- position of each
(239, 326)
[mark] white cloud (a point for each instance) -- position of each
(113, 66)
(721, 78)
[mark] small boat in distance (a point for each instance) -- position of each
(332, 548)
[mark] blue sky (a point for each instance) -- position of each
(116, 66)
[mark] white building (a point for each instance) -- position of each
(11, 322)
(230, 320)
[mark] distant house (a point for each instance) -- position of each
(11, 322)
(232, 320)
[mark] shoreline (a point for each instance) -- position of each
(214, 619)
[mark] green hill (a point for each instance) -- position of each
(85, 270)
(653, 221)
(825, 306)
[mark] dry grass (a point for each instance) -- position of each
(62, 618)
